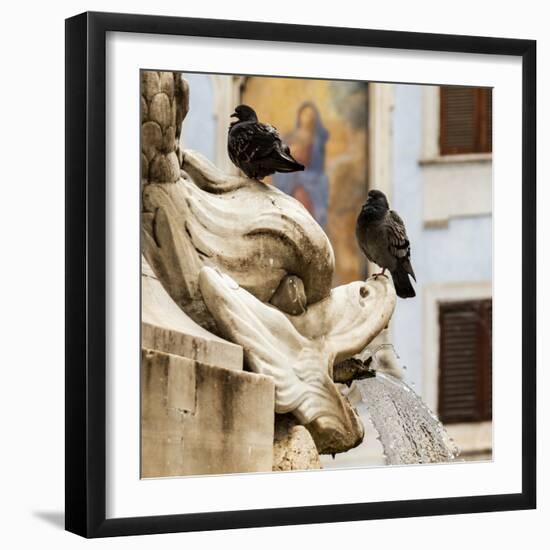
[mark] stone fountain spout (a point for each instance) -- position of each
(298, 352)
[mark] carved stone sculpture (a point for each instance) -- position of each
(298, 352)
(261, 237)
(249, 263)
(293, 446)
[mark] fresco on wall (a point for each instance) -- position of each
(307, 142)
(325, 124)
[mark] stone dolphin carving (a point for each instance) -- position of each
(298, 352)
(251, 230)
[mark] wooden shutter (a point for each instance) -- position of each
(466, 120)
(465, 361)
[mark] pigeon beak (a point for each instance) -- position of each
(234, 115)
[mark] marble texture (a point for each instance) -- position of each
(299, 352)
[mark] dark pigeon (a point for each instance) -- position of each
(256, 148)
(383, 239)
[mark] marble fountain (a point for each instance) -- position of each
(251, 361)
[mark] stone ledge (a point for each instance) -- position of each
(165, 327)
(198, 419)
(183, 344)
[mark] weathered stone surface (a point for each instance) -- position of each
(299, 351)
(167, 83)
(182, 102)
(165, 327)
(164, 104)
(173, 112)
(169, 140)
(144, 110)
(150, 84)
(293, 447)
(198, 419)
(164, 168)
(290, 296)
(144, 168)
(252, 231)
(151, 139)
(351, 369)
(160, 110)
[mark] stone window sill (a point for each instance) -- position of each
(457, 159)
(456, 188)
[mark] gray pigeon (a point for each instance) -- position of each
(256, 148)
(383, 239)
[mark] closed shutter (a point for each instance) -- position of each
(465, 361)
(466, 120)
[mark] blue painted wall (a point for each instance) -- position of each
(457, 253)
(199, 128)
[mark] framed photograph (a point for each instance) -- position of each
(284, 247)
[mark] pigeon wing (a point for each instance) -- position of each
(398, 242)
(254, 141)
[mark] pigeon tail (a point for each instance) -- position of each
(285, 165)
(402, 283)
(406, 263)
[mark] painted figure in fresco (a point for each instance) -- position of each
(308, 142)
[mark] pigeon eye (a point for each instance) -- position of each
(364, 291)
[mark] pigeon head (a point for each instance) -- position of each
(244, 113)
(376, 206)
(377, 198)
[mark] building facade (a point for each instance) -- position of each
(445, 197)
(429, 148)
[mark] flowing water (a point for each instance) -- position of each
(409, 432)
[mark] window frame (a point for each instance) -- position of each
(481, 412)
(471, 437)
(482, 144)
(441, 174)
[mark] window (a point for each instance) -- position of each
(465, 361)
(466, 116)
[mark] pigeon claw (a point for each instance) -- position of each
(381, 274)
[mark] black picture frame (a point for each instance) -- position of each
(86, 274)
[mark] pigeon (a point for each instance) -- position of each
(383, 239)
(256, 148)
